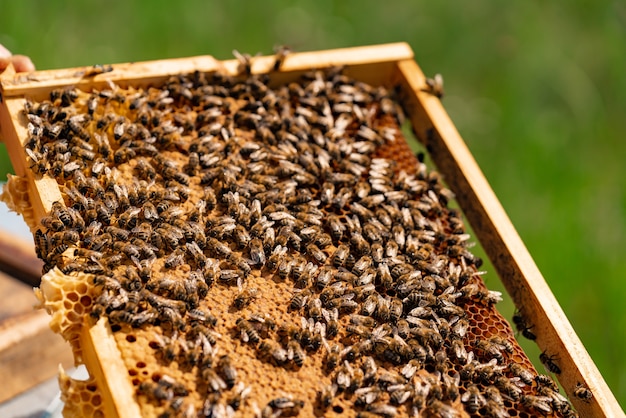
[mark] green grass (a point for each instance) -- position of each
(537, 90)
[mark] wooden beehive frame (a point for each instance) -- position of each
(391, 65)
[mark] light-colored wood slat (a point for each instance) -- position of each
(40, 83)
(104, 361)
(17, 257)
(140, 73)
(14, 133)
(371, 64)
(503, 245)
(16, 298)
(30, 351)
(305, 61)
(44, 190)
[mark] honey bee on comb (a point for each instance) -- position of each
(212, 196)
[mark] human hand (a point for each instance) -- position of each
(21, 63)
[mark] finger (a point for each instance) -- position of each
(4, 62)
(22, 63)
(5, 57)
(4, 53)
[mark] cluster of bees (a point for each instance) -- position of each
(223, 178)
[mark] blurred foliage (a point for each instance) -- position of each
(536, 89)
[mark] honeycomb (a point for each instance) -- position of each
(268, 251)
(15, 196)
(81, 397)
(68, 299)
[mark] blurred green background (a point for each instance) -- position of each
(537, 90)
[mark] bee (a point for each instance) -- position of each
(548, 362)
(363, 321)
(582, 392)
(193, 250)
(272, 351)
(118, 233)
(314, 308)
(311, 334)
(245, 63)
(192, 164)
(377, 253)
(458, 349)
(215, 383)
(558, 402)
(245, 297)
(375, 231)
(202, 316)
(383, 309)
(300, 273)
(278, 254)
(160, 302)
(128, 219)
(281, 53)
(318, 255)
(226, 369)
(337, 227)
(240, 394)
(156, 391)
(40, 163)
(369, 305)
(119, 129)
(490, 297)
(143, 168)
(83, 153)
(219, 248)
(495, 409)
(400, 394)
(381, 409)
(285, 267)
(52, 223)
(75, 123)
(543, 380)
(362, 264)
(522, 325)
(42, 244)
(359, 244)
(295, 353)
(150, 212)
(340, 255)
(176, 258)
(223, 229)
(473, 399)
(540, 404)
(62, 213)
(299, 300)
(286, 406)
(241, 235)
(124, 154)
(508, 388)
(231, 277)
(325, 396)
(395, 309)
(257, 252)
(247, 332)
(491, 349)
(434, 86)
(523, 373)
(210, 198)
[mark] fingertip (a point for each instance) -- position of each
(4, 62)
(4, 53)
(22, 63)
